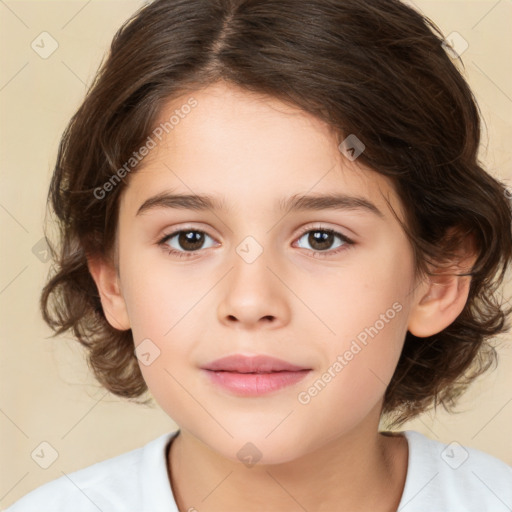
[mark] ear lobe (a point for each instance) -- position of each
(112, 300)
(443, 294)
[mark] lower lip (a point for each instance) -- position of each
(255, 384)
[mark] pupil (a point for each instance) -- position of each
(191, 240)
(320, 239)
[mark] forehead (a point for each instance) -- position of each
(249, 151)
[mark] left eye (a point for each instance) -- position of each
(323, 239)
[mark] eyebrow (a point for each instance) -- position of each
(202, 202)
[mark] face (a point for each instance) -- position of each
(324, 285)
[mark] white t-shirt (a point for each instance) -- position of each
(440, 478)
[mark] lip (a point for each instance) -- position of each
(253, 375)
(251, 364)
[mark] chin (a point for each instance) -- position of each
(256, 447)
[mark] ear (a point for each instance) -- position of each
(442, 294)
(106, 278)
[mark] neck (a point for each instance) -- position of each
(362, 470)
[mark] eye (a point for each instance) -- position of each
(324, 240)
(185, 241)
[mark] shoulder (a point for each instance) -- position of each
(120, 483)
(454, 477)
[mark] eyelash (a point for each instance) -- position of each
(347, 242)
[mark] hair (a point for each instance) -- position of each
(377, 69)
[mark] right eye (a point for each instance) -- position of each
(185, 242)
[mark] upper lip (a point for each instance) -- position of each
(251, 364)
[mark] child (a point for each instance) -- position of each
(273, 218)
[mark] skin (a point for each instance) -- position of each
(295, 302)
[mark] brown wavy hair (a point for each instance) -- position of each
(374, 68)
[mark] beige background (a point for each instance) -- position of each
(47, 393)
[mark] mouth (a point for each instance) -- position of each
(253, 375)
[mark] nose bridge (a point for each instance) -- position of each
(252, 292)
(251, 278)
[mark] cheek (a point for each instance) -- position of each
(165, 308)
(159, 296)
(365, 309)
(370, 294)
(357, 370)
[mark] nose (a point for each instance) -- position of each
(253, 296)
